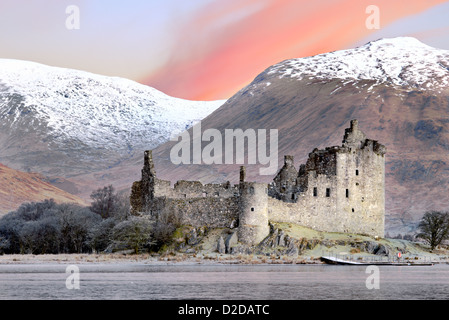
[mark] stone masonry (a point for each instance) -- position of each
(338, 189)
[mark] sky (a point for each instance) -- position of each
(204, 49)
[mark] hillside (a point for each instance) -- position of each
(396, 88)
(17, 187)
(76, 127)
(64, 122)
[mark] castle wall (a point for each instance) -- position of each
(313, 208)
(361, 185)
(284, 183)
(193, 189)
(162, 188)
(351, 201)
(338, 189)
(197, 212)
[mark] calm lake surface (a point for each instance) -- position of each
(238, 282)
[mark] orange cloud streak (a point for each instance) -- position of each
(219, 54)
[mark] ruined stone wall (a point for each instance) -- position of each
(352, 200)
(316, 208)
(198, 212)
(162, 188)
(338, 189)
(184, 189)
(284, 185)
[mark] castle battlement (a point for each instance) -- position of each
(338, 189)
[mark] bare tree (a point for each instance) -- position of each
(40, 236)
(104, 201)
(75, 223)
(434, 227)
(108, 203)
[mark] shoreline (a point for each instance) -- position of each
(115, 258)
(172, 259)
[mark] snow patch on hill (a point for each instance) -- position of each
(402, 61)
(98, 111)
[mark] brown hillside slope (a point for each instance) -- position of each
(17, 187)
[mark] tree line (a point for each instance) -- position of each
(105, 226)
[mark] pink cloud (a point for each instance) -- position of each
(229, 42)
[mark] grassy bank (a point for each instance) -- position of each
(287, 244)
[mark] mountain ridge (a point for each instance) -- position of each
(80, 116)
(312, 112)
(367, 63)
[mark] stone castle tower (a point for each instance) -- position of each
(338, 189)
(253, 211)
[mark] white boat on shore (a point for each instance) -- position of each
(335, 260)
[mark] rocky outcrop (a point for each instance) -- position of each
(231, 241)
(280, 243)
(221, 248)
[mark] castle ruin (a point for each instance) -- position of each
(338, 189)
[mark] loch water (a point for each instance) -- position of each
(138, 281)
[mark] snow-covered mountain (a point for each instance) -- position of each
(97, 110)
(397, 88)
(68, 118)
(402, 61)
